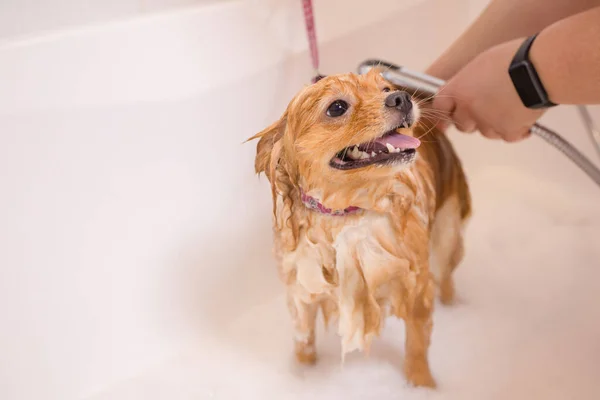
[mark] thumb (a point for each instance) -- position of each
(444, 107)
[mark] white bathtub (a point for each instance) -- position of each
(135, 239)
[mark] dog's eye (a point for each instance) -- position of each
(387, 89)
(337, 108)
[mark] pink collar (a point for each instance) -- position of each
(314, 204)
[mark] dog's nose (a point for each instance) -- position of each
(399, 100)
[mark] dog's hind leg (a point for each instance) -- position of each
(447, 249)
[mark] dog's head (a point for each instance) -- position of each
(343, 131)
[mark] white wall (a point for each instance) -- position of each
(32, 17)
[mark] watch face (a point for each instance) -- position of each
(523, 78)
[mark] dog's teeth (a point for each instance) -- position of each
(389, 147)
(373, 154)
(364, 155)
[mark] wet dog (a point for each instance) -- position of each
(367, 218)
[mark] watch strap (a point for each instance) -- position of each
(525, 78)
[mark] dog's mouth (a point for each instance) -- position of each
(390, 148)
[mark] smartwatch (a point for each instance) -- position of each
(526, 80)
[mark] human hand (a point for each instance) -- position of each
(481, 96)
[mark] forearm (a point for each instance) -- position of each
(566, 56)
(502, 21)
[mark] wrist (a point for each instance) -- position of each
(543, 64)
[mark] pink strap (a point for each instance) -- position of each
(312, 37)
(314, 204)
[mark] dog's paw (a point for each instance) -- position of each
(447, 300)
(447, 293)
(306, 353)
(419, 375)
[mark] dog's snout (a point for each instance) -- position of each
(399, 100)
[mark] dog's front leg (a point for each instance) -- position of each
(418, 330)
(304, 318)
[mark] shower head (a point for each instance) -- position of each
(413, 81)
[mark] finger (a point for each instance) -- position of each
(463, 120)
(491, 134)
(517, 137)
(487, 131)
(445, 105)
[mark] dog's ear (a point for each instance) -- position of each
(266, 159)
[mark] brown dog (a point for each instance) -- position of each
(361, 210)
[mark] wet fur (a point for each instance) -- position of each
(386, 260)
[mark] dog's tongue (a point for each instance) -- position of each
(399, 141)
